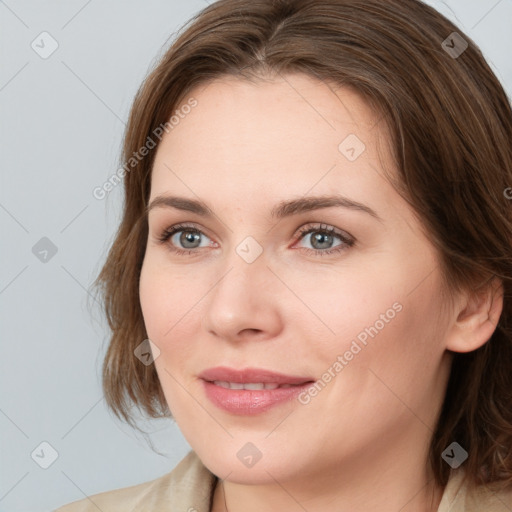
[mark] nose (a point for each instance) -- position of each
(244, 303)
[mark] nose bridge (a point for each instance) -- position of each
(245, 267)
(241, 298)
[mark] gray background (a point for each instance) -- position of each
(62, 121)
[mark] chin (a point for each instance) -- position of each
(237, 467)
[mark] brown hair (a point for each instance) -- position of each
(451, 127)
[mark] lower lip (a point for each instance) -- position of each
(246, 401)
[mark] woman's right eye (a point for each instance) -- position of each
(185, 236)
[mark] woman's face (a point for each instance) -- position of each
(263, 286)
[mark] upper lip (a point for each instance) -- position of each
(250, 375)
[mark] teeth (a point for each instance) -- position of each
(254, 386)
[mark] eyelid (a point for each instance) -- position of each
(321, 227)
(167, 233)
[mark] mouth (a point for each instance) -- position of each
(250, 391)
(225, 376)
(251, 386)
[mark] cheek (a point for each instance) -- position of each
(167, 307)
(171, 298)
(153, 300)
(393, 349)
(166, 296)
(380, 314)
(339, 305)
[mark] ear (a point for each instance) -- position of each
(476, 316)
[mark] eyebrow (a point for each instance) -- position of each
(282, 209)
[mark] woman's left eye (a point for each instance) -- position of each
(189, 237)
(324, 236)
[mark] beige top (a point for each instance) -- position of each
(189, 488)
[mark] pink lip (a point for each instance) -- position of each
(249, 402)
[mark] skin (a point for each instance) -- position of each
(362, 443)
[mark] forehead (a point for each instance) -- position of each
(294, 132)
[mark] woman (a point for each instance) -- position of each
(313, 270)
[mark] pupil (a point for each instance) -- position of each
(188, 237)
(318, 238)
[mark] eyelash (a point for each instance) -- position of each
(305, 230)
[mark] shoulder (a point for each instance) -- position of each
(460, 497)
(491, 498)
(188, 486)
